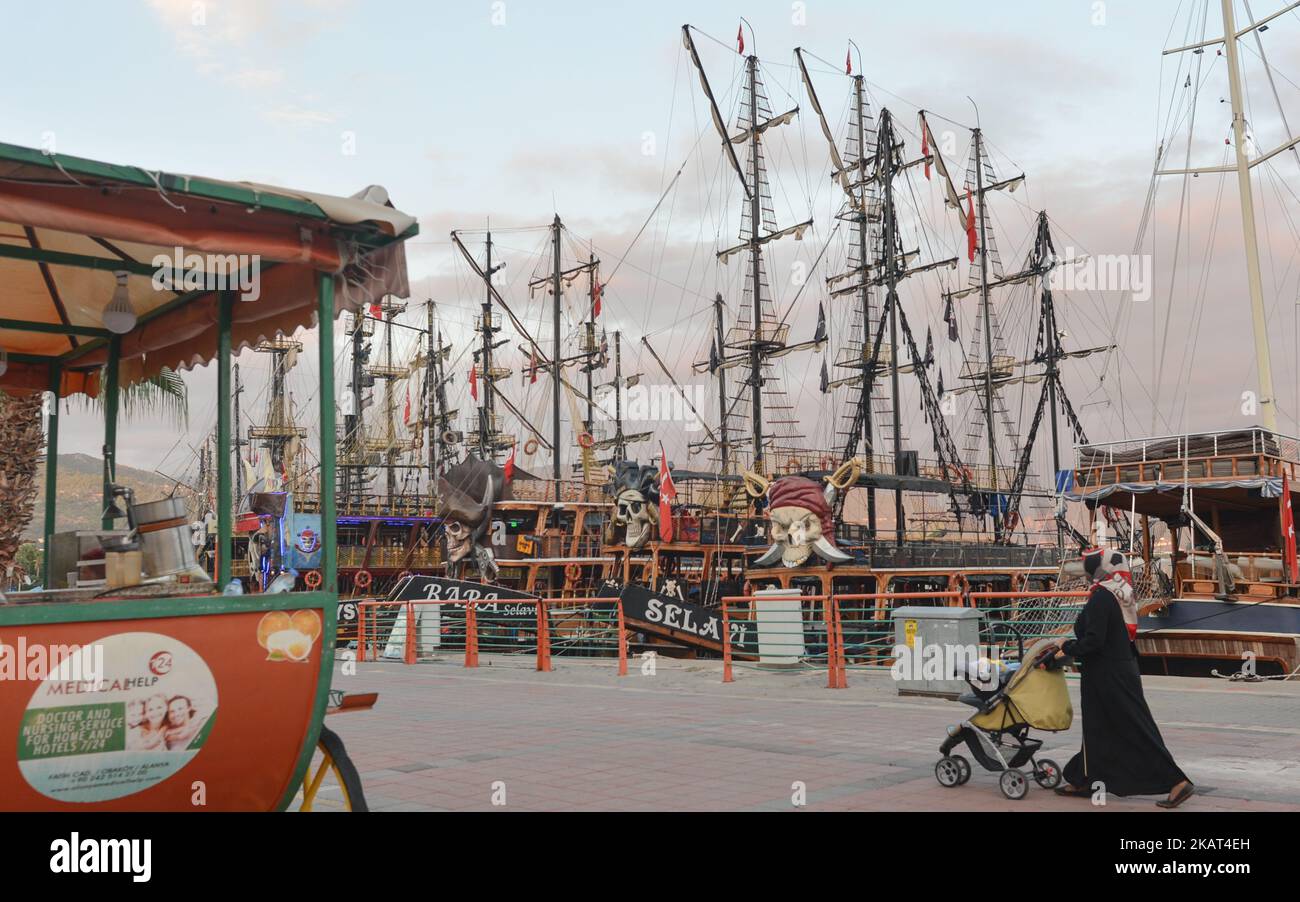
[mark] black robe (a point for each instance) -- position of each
(1122, 747)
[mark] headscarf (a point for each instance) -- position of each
(1109, 569)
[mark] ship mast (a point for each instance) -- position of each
(557, 356)
(1243, 165)
(765, 337)
(885, 164)
(985, 315)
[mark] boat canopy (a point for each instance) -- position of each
(69, 226)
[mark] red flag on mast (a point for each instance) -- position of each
(532, 367)
(473, 382)
(848, 61)
(1289, 559)
(406, 413)
(667, 494)
(597, 292)
(925, 146)
(740, 38)
(509, 469)
(971, 242)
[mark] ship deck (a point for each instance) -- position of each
(583, 738)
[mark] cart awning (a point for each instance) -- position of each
(67, 224)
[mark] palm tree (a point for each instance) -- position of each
(22, 443)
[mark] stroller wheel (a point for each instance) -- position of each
(1047, 773)
(949, 772)
(964, 766)
(1013, 784)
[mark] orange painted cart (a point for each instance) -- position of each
(173, 697)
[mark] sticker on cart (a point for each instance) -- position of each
(142, 714)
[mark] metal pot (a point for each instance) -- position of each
(164, 530)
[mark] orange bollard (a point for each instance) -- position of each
(471, 635)
(832, 662)
(543, 639)
(361, 632)
(727, 675)
(841, 659)
(410, 633)
(622, 642)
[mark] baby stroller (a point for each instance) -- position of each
(1011, 698)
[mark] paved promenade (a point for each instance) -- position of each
(447, 738)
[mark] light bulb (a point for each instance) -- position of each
(119, 316)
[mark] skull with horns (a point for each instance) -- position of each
(800, 515)
(466, 495)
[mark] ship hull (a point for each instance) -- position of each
(1193, 636)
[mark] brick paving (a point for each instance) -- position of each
(444, 738)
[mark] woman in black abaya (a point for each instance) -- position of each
(1122, 748)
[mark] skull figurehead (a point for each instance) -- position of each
(466, 495)
(800, 514)
(636, 505)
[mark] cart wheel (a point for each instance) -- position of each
(948, 772)
(1013, 784)
(964, 766)
(1047, 773)
(331, 778)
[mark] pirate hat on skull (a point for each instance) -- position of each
(469, 490)
(630, 475)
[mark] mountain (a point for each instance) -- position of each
(81, 492)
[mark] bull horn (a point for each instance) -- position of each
(771, 556)
(488, 498)
(756, 484)
(829, 553)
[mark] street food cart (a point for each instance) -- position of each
(169, 694)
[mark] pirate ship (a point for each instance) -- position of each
(1215, 561)
(837, 500)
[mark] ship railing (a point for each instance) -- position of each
(1195, 455)
(387, 557)
(418, 630)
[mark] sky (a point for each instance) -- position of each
(511, 112)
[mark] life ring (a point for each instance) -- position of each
(530, 447)
(586, 440)
(313, 579)
(572, 572)
(362, 579)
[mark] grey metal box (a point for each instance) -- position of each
(940, 627)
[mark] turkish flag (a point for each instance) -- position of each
(532, 367)
(377, 311)
(925, 146)
(971, 242)
(848, 62)
(597, 290)
(740, 39)
(406, 413)
(509, 468)
(1288, 533)
(473, 382)
(667, 494)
